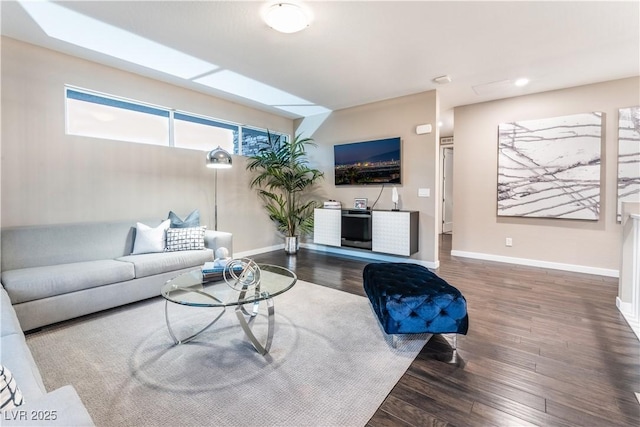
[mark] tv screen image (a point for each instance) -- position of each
(368, 163)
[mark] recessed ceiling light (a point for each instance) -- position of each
(286, 17)
(521, 82)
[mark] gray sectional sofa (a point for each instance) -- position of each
(60, 407)
(58, 272)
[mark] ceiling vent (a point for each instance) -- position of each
(442, 80)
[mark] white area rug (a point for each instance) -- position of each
(330, 364)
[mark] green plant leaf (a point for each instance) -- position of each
(283, 178)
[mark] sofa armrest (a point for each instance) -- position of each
(61, 407)
(219, 239)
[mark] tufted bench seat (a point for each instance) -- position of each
(410, 299)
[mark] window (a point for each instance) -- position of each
(104, 116)
(96, 116)
(203, 134)
(252, 138)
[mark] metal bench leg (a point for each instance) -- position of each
(454, 348)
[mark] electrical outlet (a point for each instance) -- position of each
(508, 242)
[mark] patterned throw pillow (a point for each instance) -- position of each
(10, 394)
(185, 239)
(192, 220)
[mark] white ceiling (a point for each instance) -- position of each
(363, 51)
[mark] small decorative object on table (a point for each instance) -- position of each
(394, 198)
(242, 274)
(214, 270)
(360, 204)
(222, 257)
(211, 273)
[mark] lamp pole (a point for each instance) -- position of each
(217, 159)
(215, 200)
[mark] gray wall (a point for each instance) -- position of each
(592, 246)
(390, 118)
(49, 177)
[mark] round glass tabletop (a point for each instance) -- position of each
(191, 289)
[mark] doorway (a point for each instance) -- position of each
(446, 155)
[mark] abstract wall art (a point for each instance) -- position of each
(550, 168)
(628, 156)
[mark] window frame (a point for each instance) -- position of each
(171, 114)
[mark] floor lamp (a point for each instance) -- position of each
(217, 159)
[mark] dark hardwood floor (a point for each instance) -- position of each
(544, 347)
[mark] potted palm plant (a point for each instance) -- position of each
(283, 181)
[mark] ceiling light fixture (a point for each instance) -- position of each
(521, 82)
(286, 17)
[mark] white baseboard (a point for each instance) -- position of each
(626, 308)
(536, 263)
(374, 256)
(246, 254)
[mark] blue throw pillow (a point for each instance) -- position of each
(192, 220)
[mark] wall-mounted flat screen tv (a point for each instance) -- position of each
(368, 163)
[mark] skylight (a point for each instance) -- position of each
(80, 30)
(72, 27)
(237, 84)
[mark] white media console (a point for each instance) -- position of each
(389, 232)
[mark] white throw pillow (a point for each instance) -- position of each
(149, 239)
(10, 395)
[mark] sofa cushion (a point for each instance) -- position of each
(150, 239)
(150, 264)
(185, 239)
(9, 324)
(16, 356)
(192, 220)
(34, 283)
(35, 246)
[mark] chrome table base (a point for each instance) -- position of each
(246, 324)
(244, 317)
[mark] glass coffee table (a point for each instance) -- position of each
(252, 284)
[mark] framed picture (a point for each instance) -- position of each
(628, 157)
(360, 204)
(550, 168)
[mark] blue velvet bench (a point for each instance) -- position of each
(410, 299)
